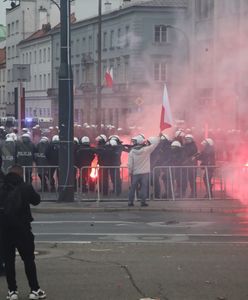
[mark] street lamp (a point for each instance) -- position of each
(66, 159)
(99, 67)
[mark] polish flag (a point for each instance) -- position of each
(166, 116)
(109, 78)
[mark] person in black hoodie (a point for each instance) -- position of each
(16, 230)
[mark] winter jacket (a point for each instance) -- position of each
(28, 196)
(139, 159)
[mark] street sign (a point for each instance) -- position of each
(21, 72)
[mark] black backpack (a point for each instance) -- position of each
(11, 203)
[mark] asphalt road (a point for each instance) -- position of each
(139, 255)
(141, 227)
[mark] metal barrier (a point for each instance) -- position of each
(110, 183)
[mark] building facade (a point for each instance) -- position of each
(220, 45)
(141, 42)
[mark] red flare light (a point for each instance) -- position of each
(94, 169)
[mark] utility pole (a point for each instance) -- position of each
(65, 102)
(99, 67)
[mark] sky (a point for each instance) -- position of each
(84, 8)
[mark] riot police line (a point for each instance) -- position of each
(174, 172)
(94, 183)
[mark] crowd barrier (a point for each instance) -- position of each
(166, 183)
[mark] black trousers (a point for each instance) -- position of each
(22, 240)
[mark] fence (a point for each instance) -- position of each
(166, 183)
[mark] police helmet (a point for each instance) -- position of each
(76, 140)
(176, 144)
(189, 138)
(85, 140)
(44, 139)
(138, 140)
(101, 138)
(152, 140)
(179, 133)
(207, 141)
(113, 142)
(165, 137)
(55, 138)
(9, 138)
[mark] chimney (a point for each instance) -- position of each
(107, 6)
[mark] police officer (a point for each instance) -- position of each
(190, 150)
(103, 156)
(42, 162)
(179, 172)
(207, 158)
(25, 150)
(52, 154)
(115, 149)
(8, 153)
(161, 156)
(84, 157)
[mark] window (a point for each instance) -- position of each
(126, 68)
(112, 39)
(160, 34)
(48, 54)
(127, 41)
(40, 87)
(119, 38)
(160, 71)
(44, 55)
(105, 40)
(83, 44)
(57, 50)
(48, 80)
(90, 45)
(89, 73)
(35, 56)
(204, 8)
(13, 51)
(40, 56)
(30, 57)
(77, 47)
(44, 82)
(8, 30)
(17, 26)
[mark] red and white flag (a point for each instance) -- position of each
(109, 78)
(166, 116)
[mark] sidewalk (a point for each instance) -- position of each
(211, 206)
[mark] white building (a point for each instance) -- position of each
(22, 21)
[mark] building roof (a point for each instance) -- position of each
(154, 3)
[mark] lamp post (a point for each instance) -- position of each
(66, 161)
(99, 67)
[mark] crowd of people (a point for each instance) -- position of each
(41, 148)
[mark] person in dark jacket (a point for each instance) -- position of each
(104, 157)
(84, 157)
(207, 158)
(18, 235)
(190, 150)
(42, 162)
(25, 150)
(52, 154)
(8, 152)
(178, 172)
